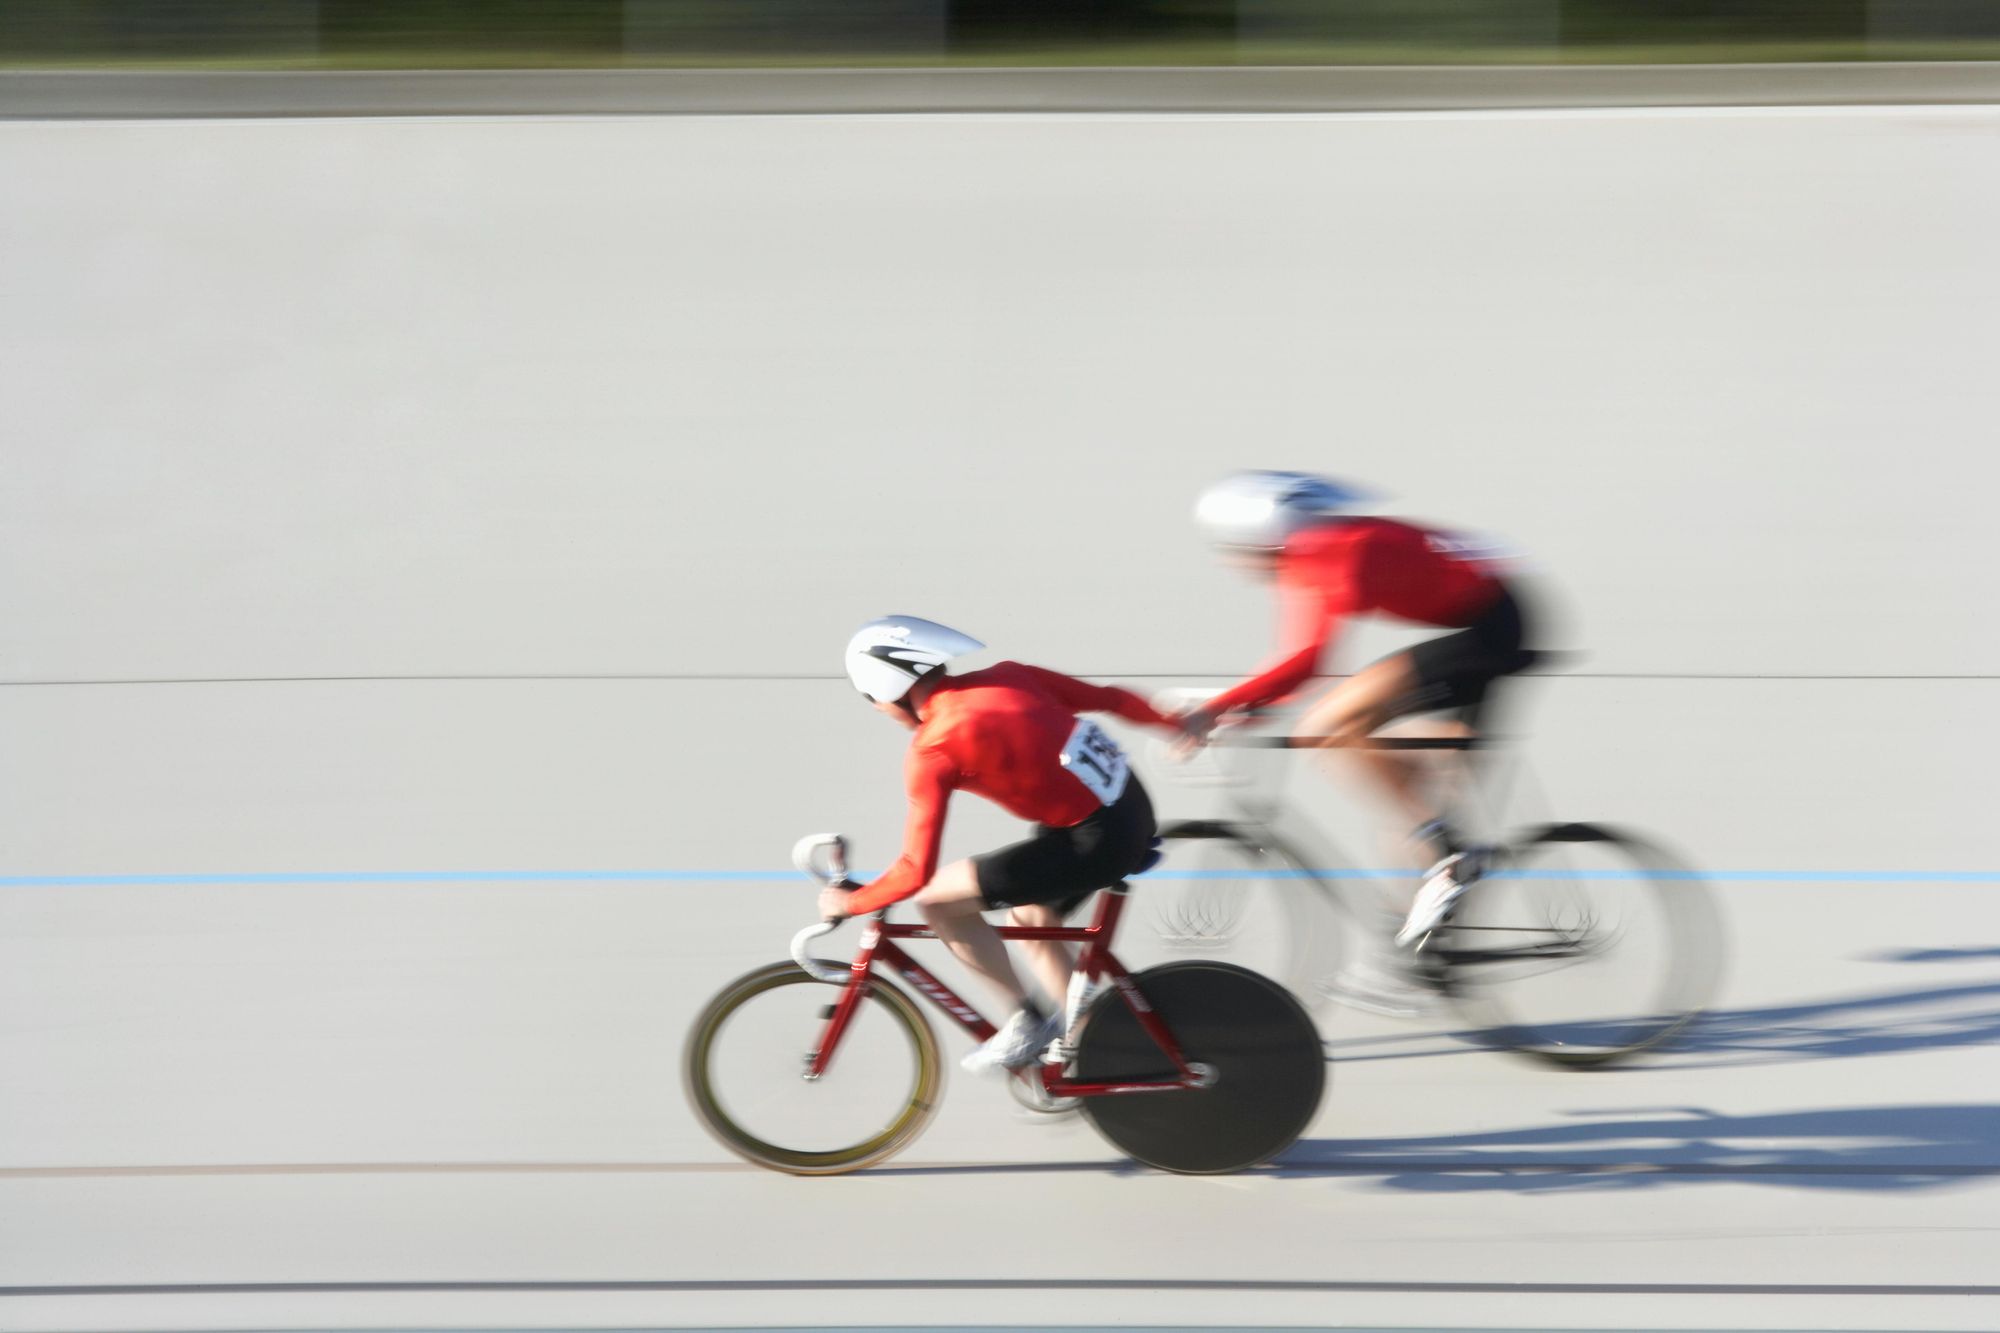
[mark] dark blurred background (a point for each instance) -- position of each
(500, 33)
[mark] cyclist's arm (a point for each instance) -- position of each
(1083, 697)
(928, 774)
(1310, 623)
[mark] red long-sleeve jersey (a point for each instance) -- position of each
(999, 733)
(1333, 571)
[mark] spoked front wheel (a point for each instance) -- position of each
(746, 1073)
(1252, 1041)
(1233, 893)
(1581, 946)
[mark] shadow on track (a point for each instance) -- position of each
(1858, 1148)
(1934, 955)
(1877, 1148)
(1843, 1027)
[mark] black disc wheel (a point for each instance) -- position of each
(1254, 1045)
(1234, 894)
(745, 1069)
(1581, 946)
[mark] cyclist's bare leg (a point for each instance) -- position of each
(1356, 709)
(951, 904)
(1420, 782)
(1049, 960)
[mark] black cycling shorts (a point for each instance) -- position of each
(1456, 670)
(1066, 865)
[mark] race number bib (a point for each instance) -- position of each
(1095, 760)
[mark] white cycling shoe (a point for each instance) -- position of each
(1018, 1043)
(1444, 885)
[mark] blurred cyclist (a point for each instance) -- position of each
(1330, 565)
(1009, 733)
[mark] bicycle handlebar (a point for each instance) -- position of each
(817, 968)
(805, 855)
(1372, 743)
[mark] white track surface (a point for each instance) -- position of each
(407, 403)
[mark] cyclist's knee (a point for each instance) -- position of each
(1359, 706)
(1347, 725)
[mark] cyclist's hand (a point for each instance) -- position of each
(833, 902)
(1195, 725)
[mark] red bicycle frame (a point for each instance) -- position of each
(878, 945)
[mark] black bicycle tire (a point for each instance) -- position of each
(1695, 960)
(1309, 913)
(902, 1130)
(1269, 1064)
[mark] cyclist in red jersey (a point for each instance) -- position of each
(1009, 733)
(1331, 565)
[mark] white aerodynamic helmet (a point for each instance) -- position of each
(1259, 510)
(887, 656)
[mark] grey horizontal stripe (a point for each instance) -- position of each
(1358, 1166)
(367, 1169)
(779, 676)
(49, 94)
(831, 1285)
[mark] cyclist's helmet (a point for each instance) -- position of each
(1257, 511)
(887, 656)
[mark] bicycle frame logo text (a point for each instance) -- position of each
(939, 995)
